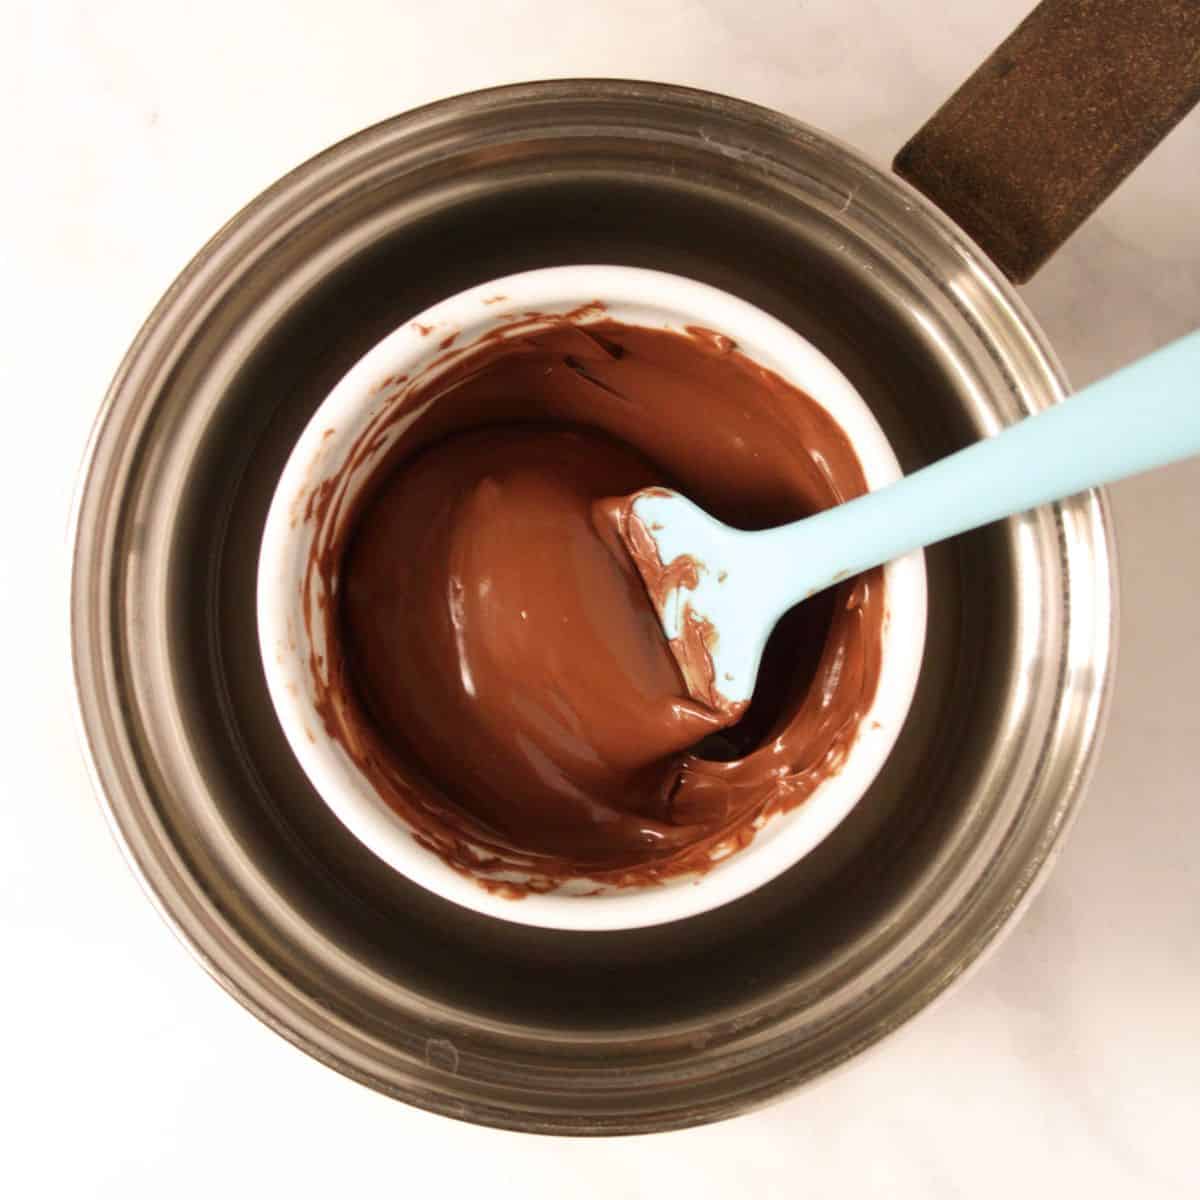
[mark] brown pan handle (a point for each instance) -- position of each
(1052, 122)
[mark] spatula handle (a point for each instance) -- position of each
(1143, 416)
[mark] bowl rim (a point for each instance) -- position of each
(633, 295)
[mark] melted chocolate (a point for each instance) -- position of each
(492, 662)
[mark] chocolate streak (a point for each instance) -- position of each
(692, 647)
(489, 658)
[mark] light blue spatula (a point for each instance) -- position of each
(1144, 416)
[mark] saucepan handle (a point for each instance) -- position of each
(1054, 120)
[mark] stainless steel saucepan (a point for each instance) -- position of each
(662, 1027)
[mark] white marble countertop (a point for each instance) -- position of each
(133, 129)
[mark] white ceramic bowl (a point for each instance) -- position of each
(637, 297)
